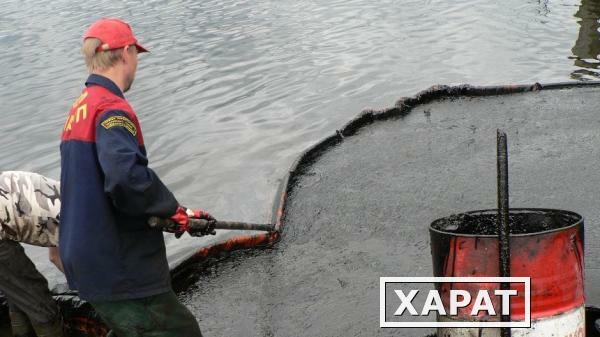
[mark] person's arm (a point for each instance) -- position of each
(133, 187)
(54, 257)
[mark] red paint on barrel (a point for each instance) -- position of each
(552, 259)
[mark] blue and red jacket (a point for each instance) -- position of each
(108, 192)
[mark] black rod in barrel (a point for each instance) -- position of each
(503, 220)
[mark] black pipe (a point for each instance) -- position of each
(503, 219)
(200, 225)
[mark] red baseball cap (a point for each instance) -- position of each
(114, 34)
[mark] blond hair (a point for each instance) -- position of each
(99, 60)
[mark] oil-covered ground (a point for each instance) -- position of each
(362, 209)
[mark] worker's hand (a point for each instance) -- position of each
(182, 217)
(208, 229)
(203, 215)
(54, 257)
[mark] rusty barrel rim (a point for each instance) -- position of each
(577, 221)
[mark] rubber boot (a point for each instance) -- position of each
(52, 329)
(20, 325)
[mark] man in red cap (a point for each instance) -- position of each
(110, 254)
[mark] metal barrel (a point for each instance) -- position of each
(200, 224)
(545, 245)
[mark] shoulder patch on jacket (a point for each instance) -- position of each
(120, 121)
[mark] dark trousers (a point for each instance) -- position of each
(30, 302)
(155, 316)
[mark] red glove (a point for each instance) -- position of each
(204, 215)
(182, 218)
(201, 214)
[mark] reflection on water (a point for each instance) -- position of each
(587, 46)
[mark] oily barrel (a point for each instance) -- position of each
(545, 245)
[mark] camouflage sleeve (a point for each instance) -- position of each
(29, 208)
